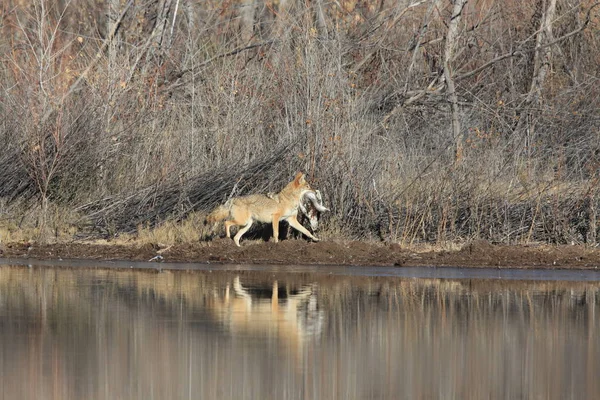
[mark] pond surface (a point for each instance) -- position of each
(267, 333)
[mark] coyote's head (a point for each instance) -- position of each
(297, 188)
(300, 183)
(310, 200)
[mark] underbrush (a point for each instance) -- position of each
(557, 214)
(23, 223)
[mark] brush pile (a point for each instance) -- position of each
(176, 199)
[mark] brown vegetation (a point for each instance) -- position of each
(420, 121)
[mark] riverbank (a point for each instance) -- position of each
(475, 254)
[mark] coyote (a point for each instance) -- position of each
(243, 211)
(278, 310)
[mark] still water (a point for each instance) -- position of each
(94, 333)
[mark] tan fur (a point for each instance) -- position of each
(272, 208)
(218, 214)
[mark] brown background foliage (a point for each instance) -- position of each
(120, 114)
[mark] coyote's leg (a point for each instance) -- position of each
(243, 230)
(276, 227)
(228, 225)
(298, 226)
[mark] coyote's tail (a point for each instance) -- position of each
(218, 214)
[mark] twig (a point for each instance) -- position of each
(84, 74)
(520, 51)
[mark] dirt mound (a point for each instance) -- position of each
(475, 254)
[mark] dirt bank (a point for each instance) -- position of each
(476, 254)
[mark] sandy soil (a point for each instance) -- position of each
(476, 254)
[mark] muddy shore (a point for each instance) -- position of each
(475, 255)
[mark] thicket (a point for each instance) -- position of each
(430, 120)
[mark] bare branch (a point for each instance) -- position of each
(520, 51)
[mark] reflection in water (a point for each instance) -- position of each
(109, 334)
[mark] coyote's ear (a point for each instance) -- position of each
(299, 179)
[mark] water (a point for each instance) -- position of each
(321, 333)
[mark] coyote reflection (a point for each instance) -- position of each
(274, 311)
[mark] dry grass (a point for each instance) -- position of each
(22, 225)
(190, 230)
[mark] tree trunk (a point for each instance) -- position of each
(114, 11)
(451, 40)
(541, 64)
(320, 19)
(247, 15)
(162, 22)
(283, 16)
(113, 17)
(542, 54)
